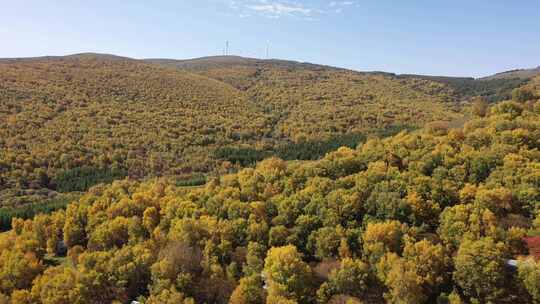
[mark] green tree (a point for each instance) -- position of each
(430, 263)
(466, 221)
(480, 269)
(287, 275)
(327, 241)
(75, 224)
(522, 94)
(254, 259)
(529, 274)
(400, 277)
(351, 278)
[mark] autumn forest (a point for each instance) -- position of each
(246, 181)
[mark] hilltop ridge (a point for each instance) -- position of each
(517, 73)
(70, 56)
(240, 71)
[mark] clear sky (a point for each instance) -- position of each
(438, 37)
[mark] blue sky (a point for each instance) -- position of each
(459, 38)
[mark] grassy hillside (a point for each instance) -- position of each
(429, 216)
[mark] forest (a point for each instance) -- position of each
(428, 215)
(68, 123)
(493, 89)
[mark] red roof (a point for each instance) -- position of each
(533, 243)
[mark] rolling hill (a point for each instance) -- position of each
(244, 73)
(429, 216)
(314, 100)
(115, 114)
(341, 215)
(494, 88)
(67, 123)
(240, 72)
(518, 73)
(464, 88)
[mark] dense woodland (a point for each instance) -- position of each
(67, 123)
(243, 73)
(425, 216)
(491, 89)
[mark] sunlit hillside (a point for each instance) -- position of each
(118, 116)
(269, 152)
(67, 123)
(429, 216)
(519, 73)
(309, 100)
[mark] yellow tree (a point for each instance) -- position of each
(480, 269)
(380, 238)
(287, 275)
(400, 277)
(430, 263)
(169, 296)
(529, 274)
(249, 291)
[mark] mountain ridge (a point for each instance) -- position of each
(516, 73)
(227, 60)
(115, 114)
(199, 116)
